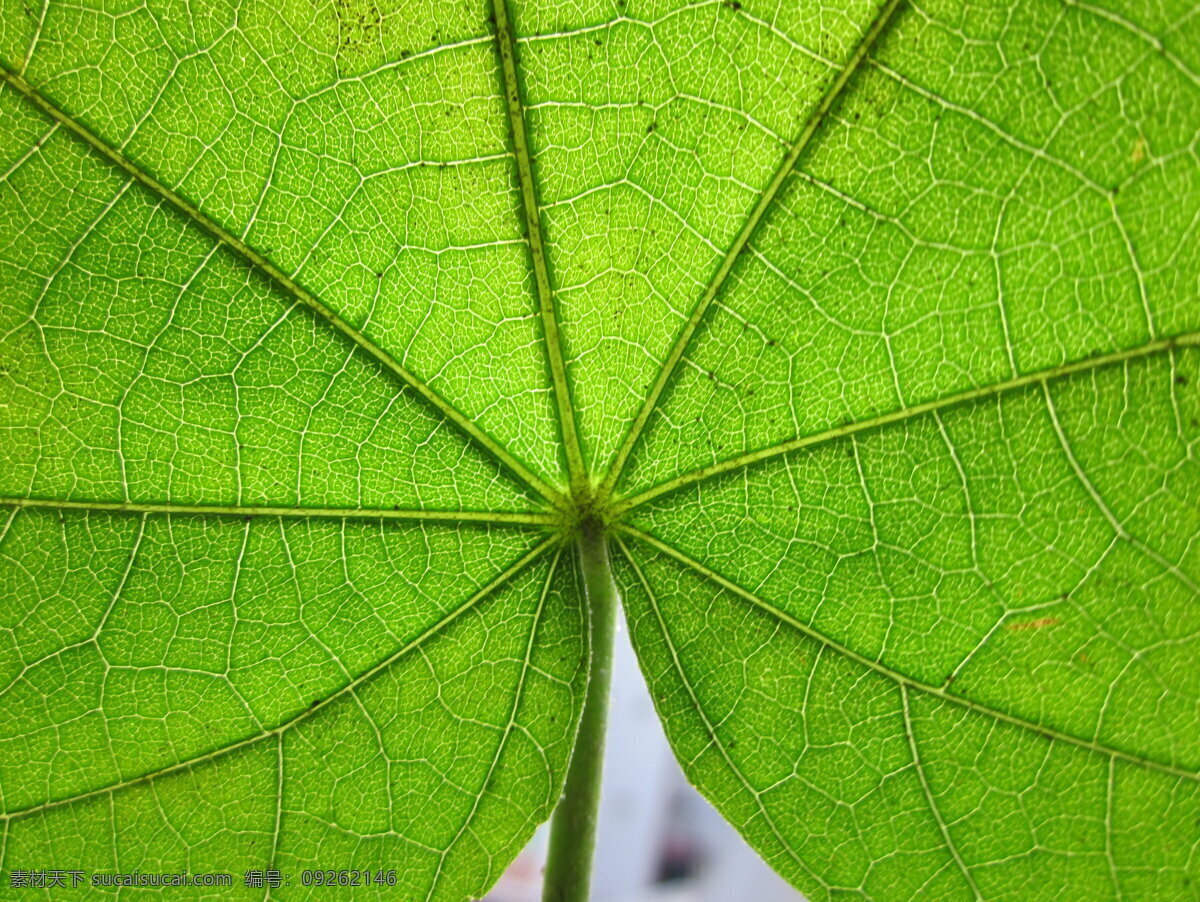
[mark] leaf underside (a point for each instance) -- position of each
(870, 331)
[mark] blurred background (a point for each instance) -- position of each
(658, 840)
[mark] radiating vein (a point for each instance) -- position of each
(431, 631)
(813, 123)
(1163, 345)
(282, 280)
(506, 47)
(904, 680)
(336, 513)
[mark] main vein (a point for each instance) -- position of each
(811, 125)
(519, 565)
(1187, 339)
(281, 279)
(247, 511)
(506, 47)
(904, 680)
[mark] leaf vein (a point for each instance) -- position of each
(910, 734)
(552, 337)
(526, 666)
(237, 510)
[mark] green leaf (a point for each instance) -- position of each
(868, 332)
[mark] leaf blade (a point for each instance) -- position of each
(796, 721)
(285, 282)
(870, 35)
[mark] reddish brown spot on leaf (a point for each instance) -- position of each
(1041, 623)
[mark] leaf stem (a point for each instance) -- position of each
(573, 830)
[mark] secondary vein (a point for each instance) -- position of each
(281, 279)
(811, 125)
(1187, 339)
(506, 47)
(904, 680)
